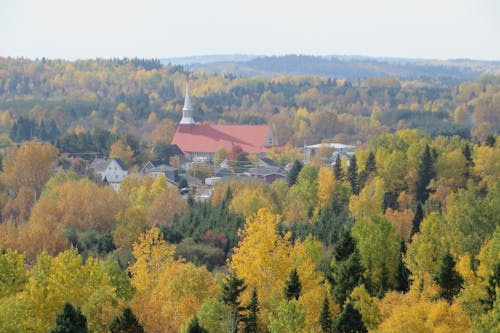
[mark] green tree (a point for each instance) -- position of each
(253, 310)
(425, 175)
(293, 286)
(195, 327)
(417, 219)
(70, 320)
(349, 321)
(403, 274)
(126, 323)
(325, 320)
(290, 317)
(491, 288)
(346, 269)
(370, 166)
(337, 170)
(352, 175)
(231, 291)
(293, 174)
(448, 278)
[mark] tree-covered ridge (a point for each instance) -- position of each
(408, 240)
(144, 98)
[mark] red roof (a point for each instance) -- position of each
(209, 138)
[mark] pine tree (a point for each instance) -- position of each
(293, 286)
(490, 140)
(195, 327)
(352, 175)
(347, 272)
(384, 282)
(349, 321)
(293, 174)
(70, 320)
(231, 291)
(417, 219)
(493, 284)
(253, 310)
(126, 323)
(337, 170)
(370, 167)
(402, 281)
(425, 175)
(448, 278)
(325, 319)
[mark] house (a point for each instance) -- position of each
(203, 140)
(157, 167)
(111, 170)
(268, 174)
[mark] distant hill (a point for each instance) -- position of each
(350, 67)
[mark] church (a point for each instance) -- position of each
(203, 140)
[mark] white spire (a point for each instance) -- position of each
(187, 110)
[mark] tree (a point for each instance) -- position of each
(293, 286)
(293, 174)
(29, 165)
(195, 327)
(325, 320)
(70, 320)
(253, 310)
(238, 159)
(425, 174)
(448, 278)
(370, 167)
(352, 175)
(288, 317)
(326, 186)
(403, 274)
(231, 291)
(417, 219)
(349, 320)
(337, 170)
(126, 323)
(346, 268)
(491, 288)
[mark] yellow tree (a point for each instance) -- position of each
(29, 165)
(326, 182)
(121, 150)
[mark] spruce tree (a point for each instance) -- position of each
(493, 284)
(253, 310)
(370, 167)
(293, 174)
(231, 291)
(352, 175)
(337, 170)
(70, 320)
(448, 278)
(126, 323)
(345, 246)
(293, 286)
(417, 219)
(490, 140)
(325, 319)
(195, 327)
(402, 277)
(349, 321)
(425, 175)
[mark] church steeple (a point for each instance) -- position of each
(187, 110)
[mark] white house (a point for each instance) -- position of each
(111, 170)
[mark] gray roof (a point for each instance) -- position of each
(100, 164)
(264, 171)
(162, 168)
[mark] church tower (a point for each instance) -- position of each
(187, 110)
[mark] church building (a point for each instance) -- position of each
(204, 140)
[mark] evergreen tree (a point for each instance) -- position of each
(468, 158)
(448, 278)
(347, 271)
(352, 175)
(70, 320)
(402, 281)
(325, 319)
(425, 175)
(293, 174)
(293, 286)
(232, 288)
(370, 167)
(349, 321)
(253, 310)
(126, 323)
(195, 327)
(384, 282)
(493, 284)
(417, 219)
(337, 170)
(490, 140)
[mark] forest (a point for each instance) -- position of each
(404, 235)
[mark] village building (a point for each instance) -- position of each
(111, 170)
(201, 141)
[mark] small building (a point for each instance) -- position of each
(268, 174)
(159, 167)
(112, 170)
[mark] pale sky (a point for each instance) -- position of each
(77, 29)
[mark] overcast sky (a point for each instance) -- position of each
(72, 29)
